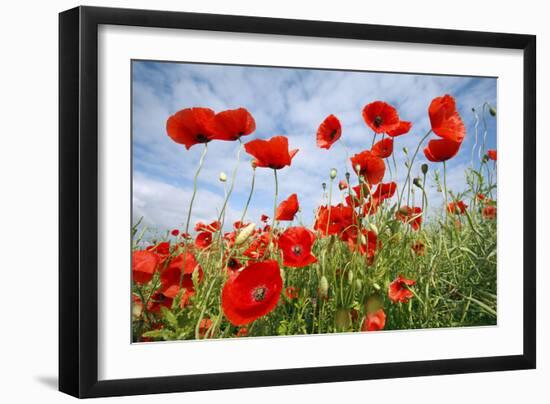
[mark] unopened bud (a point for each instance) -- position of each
(418, 182)
(493, 111)
(342, 319)
(357, 167)
(348, 176)
(324, 185)
(424, 168)
(223, 177)
(333, 173)
(405, 150)
(245, 233)
(373, 228)
(358, 284)
(376, 286)
(350, 277)
(323, 287)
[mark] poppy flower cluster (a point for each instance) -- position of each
(255, 270)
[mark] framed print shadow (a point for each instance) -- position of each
(268, 201)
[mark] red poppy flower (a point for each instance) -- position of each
(144, 265)
(381, 117)
(458, 207)
(287, 209)
(439, 150)
(295, 244)
(385, 190)
(264, 218)
(292, 292)
(203, 240)
(413, 216)
(418, 247)
(232, 124)
(243, 332)
(489, 212)
(175, 232)
(445, 120)
(272, 153)
(480, 197)
(253, 293)
(257, 247)
(369, 166)
(342, 185)
(383, 148)
(398, 290)
(368, 243)
(162, 249)
(401, 129)
(170, 277)
(339, 218)
(212, 227)
(329, 132)
(492, 154)
(190, 126)
(374, 321)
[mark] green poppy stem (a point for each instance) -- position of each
(407, 179)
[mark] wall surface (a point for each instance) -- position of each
(28, 202)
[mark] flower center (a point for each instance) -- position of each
(332, 134)
(378, 121)
(297, 250)
(202, 138)
(259, 293)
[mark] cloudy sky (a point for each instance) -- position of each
(283, 101)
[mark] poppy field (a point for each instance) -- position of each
(370, 259)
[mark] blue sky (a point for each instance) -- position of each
(283, 101)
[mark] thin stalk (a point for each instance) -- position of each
(407, 179)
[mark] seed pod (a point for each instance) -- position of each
(333, 173)
(323, 287)
(223, 177)
(245, 233)
(424, 168)
(357, 168)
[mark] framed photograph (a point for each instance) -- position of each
(251, 201)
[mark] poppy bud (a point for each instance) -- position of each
(342, 319)
(223, 177)
(358, 284)
(424, 168)
(418, 182)
(333, 173)
(405, 150)
(357, 167)
(323, 287)
(350, 277)
(485, 158)
(376, 286)
(324, 185)
(245, 233)
(348, 176)
(373, 228)
(493, 111)
(254, 164)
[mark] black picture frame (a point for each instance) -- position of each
(78, 201)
